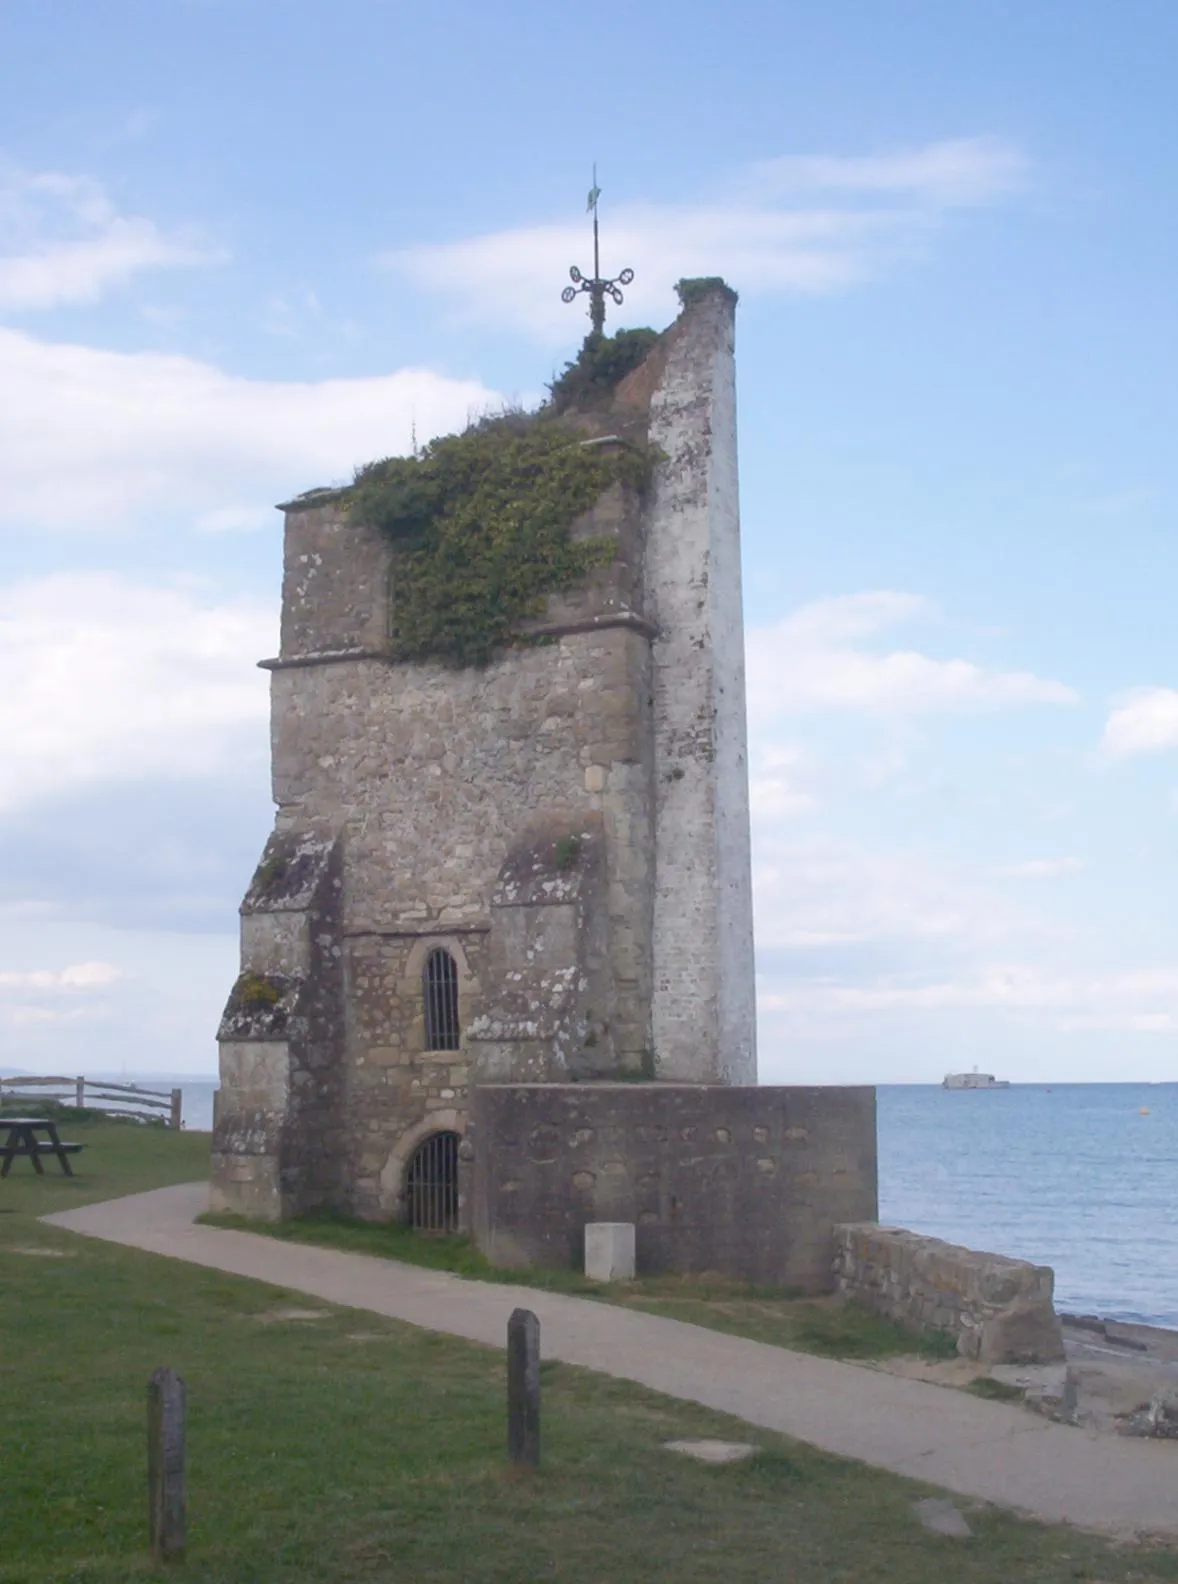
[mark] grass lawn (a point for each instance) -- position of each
(826, 1326)
(348, 1449)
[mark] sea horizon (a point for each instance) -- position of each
(1079, 1176)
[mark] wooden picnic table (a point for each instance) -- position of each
(22, 1140)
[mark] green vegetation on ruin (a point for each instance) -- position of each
(599, 368)
(270, 871)
(693, 288)
(480, 521)
(568, 850)
(351, 1449)
(255, 991)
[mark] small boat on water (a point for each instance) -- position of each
(974, 1080)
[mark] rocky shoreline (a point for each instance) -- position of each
(1117, 1378)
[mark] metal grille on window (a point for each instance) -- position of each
(441, 1001)
(431, 1184)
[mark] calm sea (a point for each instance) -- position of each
(1081, 1177)
(197, 1104)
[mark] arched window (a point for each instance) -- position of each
(431, 1184)
(440, 982)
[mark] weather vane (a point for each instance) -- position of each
(597, 288)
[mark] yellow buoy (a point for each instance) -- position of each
(1145, 1110)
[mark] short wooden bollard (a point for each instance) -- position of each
(523, 1389)
(167, 1497)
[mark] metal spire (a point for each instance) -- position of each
(597, 288)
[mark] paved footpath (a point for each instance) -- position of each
(993, 1451)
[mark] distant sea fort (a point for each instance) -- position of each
(1068, 1175)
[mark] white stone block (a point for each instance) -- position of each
(609, 1251)
(713, 1451)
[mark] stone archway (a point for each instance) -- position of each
(394, 1174)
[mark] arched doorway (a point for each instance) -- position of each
(431, 1184)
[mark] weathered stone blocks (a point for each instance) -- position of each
(570, 824)
(1000, 1310)
(275, 1148)
(681, 1163)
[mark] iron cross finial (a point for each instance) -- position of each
(597, 288)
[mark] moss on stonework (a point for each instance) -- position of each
(568, 850)
(693, 288)
(270, 871)
(480, 528)
(255, 992)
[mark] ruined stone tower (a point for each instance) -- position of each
(531, 871)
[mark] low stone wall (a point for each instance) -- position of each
(1000, 1310)
(742, 1181)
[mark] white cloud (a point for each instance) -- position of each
(99, 437)
(159, 1015)
(105, 679)
(78, 982)
(236, 519)
(63, 241)
(822, 892)
(1146, 721)
(861, 214)
(77, 976)
(1042, 868)
(25, 1016)
(808, 663)
(1145, 1000)
(781, 782)
(957, 173)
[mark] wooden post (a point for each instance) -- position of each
(167, 1497)
(80, 1093)
(177, 1108)
(523, 1389)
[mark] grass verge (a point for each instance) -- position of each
(826, 1326)
(117, 1158)
(995, 1390)
(348, 1449)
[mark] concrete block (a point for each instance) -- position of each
(609, 1251)
(942, 1517)
(713, 1451)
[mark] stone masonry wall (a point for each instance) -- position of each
(441, 783)
(747, 1182)
(452, 799)
(435, 778)
(1000, 1310)
(704, 1011)
(397, 1092)
(278, 1140)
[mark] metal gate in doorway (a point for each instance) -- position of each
(431, 1184)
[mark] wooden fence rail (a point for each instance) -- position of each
(93, 1094)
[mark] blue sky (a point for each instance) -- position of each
(245, 246)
